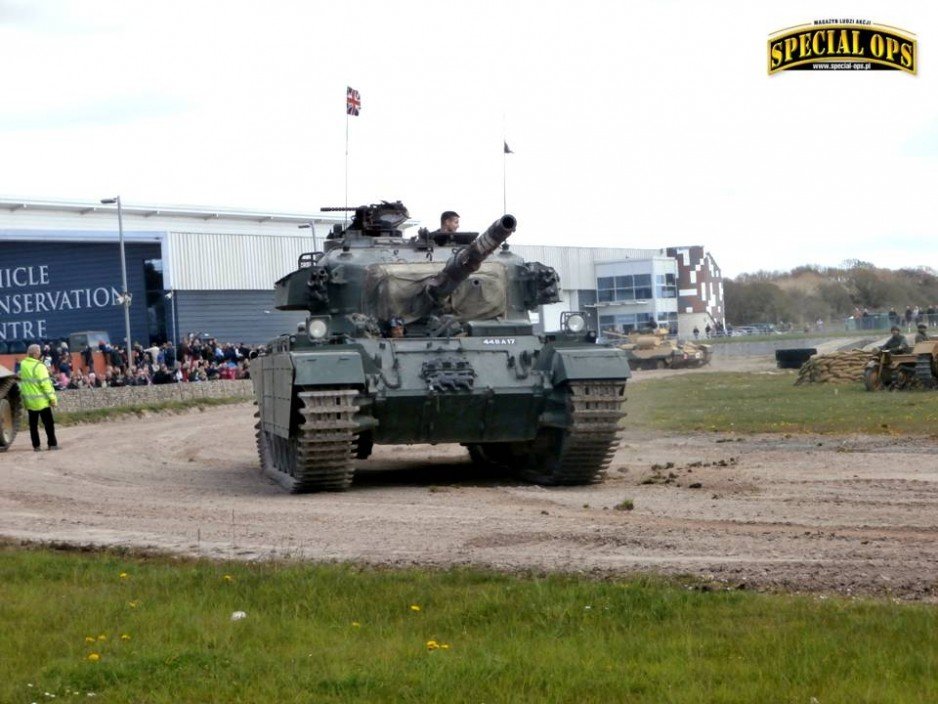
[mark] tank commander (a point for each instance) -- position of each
(922, 334)
(896, 342)
(449, 221)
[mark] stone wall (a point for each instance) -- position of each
(87, 399)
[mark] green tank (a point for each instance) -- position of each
(427, 339)
(11, 408)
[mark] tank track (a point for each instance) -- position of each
(581, 453)
(923, 371)
(320, 457)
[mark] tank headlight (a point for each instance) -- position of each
(317, 328)
(575, 323)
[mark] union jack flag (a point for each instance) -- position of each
(353, 102)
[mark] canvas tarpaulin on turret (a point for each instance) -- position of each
(397, 290)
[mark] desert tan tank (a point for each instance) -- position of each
(11, 408)
(654, 349)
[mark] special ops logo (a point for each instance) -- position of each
(851, 45)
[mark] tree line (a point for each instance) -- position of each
(809, 293)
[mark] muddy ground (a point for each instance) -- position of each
(851, 515)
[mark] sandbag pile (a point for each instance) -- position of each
(835, 368)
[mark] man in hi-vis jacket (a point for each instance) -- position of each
(38, 396)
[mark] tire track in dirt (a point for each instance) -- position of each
(794, 513)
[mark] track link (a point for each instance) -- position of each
(320, 457)
(923, 371)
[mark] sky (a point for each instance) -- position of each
(633, 124)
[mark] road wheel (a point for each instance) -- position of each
(872, 380)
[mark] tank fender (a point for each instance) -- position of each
(589, 363)
(328, 368)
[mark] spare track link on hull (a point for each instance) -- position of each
(320, 457)
(580, 453)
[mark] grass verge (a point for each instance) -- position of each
(98, 415)
(770, 403)
(159, 630)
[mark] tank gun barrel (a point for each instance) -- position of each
(468, 259)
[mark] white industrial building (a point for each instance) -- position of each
(212, 270)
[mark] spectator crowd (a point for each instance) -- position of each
(910, 318)
(193, 360)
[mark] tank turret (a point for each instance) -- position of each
(467, 260)
(429, 339)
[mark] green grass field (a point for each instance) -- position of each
(159, 630)
(771, 403)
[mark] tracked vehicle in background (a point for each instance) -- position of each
(11, 408)
(655, 349)
(428, 340)
(915, 368)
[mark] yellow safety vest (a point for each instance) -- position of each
(35, 385)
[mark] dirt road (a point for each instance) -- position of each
(848, 515)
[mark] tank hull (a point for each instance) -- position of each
(499, 395)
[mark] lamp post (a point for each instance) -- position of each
(312, 230)
(125, 294)
(171, 296)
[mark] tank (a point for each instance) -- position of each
(654, 349)
(428, 339)
(11, 408)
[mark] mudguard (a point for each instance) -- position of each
(327, 368)
(589, 363)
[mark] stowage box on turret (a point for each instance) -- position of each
(428, 340)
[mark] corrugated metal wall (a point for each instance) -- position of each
(200, 261)
(217, 262)
(234, 316)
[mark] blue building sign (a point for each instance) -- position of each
(51, 289)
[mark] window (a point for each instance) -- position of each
(665, 286)
(624, 323)
(635, 287)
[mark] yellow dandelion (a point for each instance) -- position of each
(444, 646)
(89, 639)
(356, 624)
(414, 607)
(124, 636)
(228, 578)
(124, 575)
(102, 637)
(93, 657)
(133, 604)
(432, 645)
